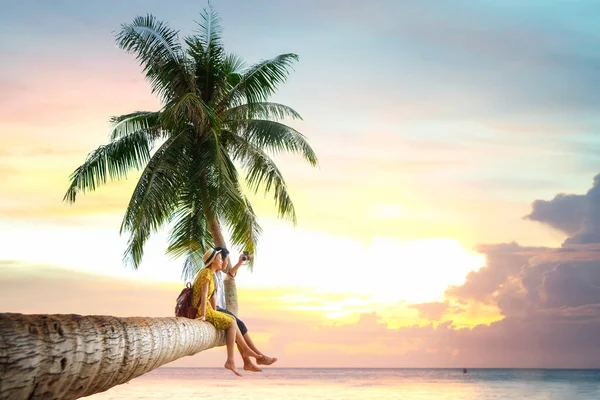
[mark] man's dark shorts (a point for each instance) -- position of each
(240, 323)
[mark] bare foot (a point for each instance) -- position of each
(249, 366)
(230, 365)
(265, 360)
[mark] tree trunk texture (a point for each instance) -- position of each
(71, 356)
(231, 299)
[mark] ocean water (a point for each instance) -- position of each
(409, 384)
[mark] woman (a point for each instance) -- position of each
(204, 287)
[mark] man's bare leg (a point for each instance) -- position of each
(263, 360)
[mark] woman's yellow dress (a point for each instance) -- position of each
(218, 319)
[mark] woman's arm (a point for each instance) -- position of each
(203, 294)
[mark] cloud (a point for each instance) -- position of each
(432, 311)
(566, 212)
(576, 215)
(561, 284)
(503, 261)
(523, 281)
(38, 288)
(557, 338)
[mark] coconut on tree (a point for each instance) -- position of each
(216, 130)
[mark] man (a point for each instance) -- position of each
(220, 305)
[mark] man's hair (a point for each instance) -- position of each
(224, 251)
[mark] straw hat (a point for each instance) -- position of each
(209, 256)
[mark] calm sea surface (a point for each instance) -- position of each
(289, 384)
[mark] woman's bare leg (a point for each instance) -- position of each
(230, 363)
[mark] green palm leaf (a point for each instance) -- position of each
(209, 31)
(127, 124)
(112, 161)
(262, 110)
(260, 81)
(275, 137)
(189, 237)
(158, 50)
(242, 224)
(261, 171)
(154, 198)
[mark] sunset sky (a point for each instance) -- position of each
(454, 218)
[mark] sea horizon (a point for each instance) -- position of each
(440, 368)
(363, 383)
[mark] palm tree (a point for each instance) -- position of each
(215, 119)
(215, 122)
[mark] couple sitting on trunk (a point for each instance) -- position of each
(209, 290)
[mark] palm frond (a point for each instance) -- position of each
(150, 39)
(261, 170)
(206, 49)
(127, 124)
(231, 68)
(275, 137)
(112, 161)
(260, 81)
(155, 196)
(158, 50)
(135, 248)
(209, 32)
(192, 264)
(189, 109)
(188, 234)
(261, 110)
(189, 237)
(242, 223)
(233, 64)
(228, 180)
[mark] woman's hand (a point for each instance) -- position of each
(203, 318)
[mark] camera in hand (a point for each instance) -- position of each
(245, 256)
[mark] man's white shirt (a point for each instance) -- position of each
(220, 289)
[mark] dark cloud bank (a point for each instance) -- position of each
(550, 297)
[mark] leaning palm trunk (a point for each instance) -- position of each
(71, 356)
(231, 299)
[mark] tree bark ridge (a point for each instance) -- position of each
(67, 356)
